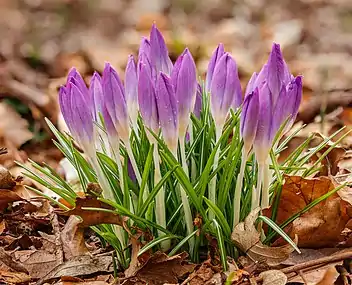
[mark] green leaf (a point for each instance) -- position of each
(277, 229)
(155, 242)
(221, 244)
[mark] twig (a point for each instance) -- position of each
(326, 259)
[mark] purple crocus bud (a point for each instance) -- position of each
(287, 105)
(167, 109)
(263, 138)
(96, 93)
(277, 72)
(184, 80)
(217, 54)
(114, 101)
(224, 89)
(249, 119)
(77, 114)
(159, 55)
(147, 99)
(131, 90)
(78, 80)
(198, 104)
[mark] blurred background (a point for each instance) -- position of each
(40, 40)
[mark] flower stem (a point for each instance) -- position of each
(135, 169)
(160, 199)
(184, 198)
(256, 193)
(212, 184)
(193, 163)
(238, 190)
(266, 182)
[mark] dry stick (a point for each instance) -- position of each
(311, 263)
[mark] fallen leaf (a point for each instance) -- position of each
(246, 237)
(329, 277)
(160, 269)
(6, 179)
(92, 218)
(72, 237)
(80, 266)
(69, 280)
(6, 197)
(14, 277)
(273, 277)
(2, 226)
(206, 272)
(322, 225)
(12, 127)
(9, 262)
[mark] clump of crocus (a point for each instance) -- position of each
(272, 98)
(109, 121)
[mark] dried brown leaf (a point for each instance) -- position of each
(73, 239)
(92, 218)
(322, 225)
(160, 269)
(6, 197)
(14, 277)
(273, 277)
(246, 237)
(80, 266)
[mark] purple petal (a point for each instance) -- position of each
(262, 141)
(144, 48)
(198, 103)
(65, 107)
(147, 99)
(82, 115)
(217, 54)
(78, 80)
(114, 100)
(278, 73)
(159, 54)
(249, 118)
(167, 109)
(131, 89)
(184, 79)
(96, 93)
(251, 83)
(281, 111)
(224, 88)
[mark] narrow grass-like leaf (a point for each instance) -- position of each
(221, 245)
(278, 230)
(155, 242)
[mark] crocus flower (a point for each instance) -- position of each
(249, 119)
(287, 105)
(131, 90)
(263, 136)
(217, 54)
(77, 113)
(114, 101)
(225, 89)
(96, 93)
(198, 104)
(184, 80)
(159, 55)
(147, 98)
(167, 110)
